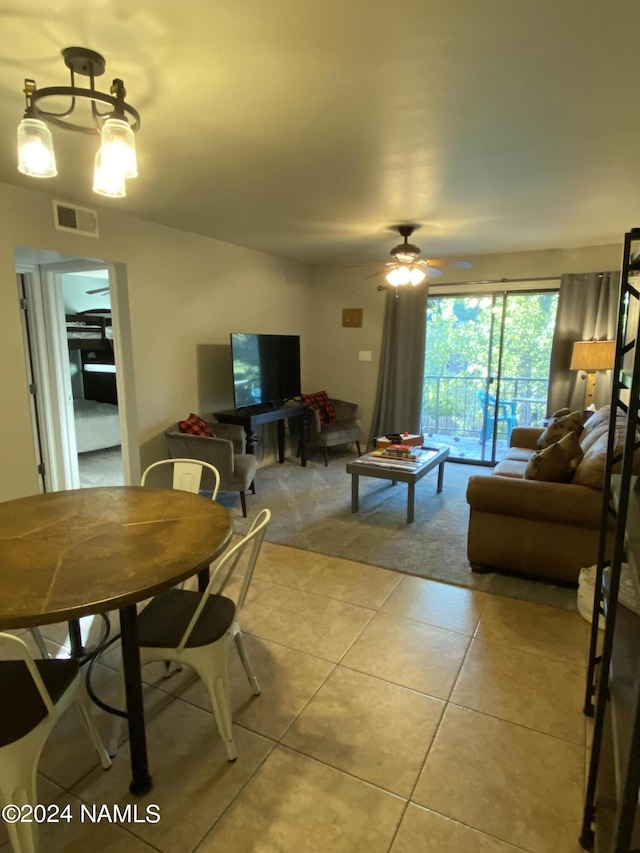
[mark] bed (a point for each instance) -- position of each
(97, 425)
(91, 330)
(92, 363)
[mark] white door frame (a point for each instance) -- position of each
(43, 286)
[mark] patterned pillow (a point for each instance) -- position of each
(194, 425)
(559, 427)
(320, 401)
(556, 463)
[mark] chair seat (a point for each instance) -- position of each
(164, 620)
(244, 470)
(22, 707)
(338, 433)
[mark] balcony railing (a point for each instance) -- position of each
(452, 404)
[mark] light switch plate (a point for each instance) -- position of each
(364, 355)
(352, 318)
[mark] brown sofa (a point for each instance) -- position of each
(536, 527)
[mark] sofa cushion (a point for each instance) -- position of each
(322, 404)
(556, 463)
(590, 472)
(595, 426)
(194, 425)
(559, 426)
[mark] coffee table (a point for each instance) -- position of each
(398, 470)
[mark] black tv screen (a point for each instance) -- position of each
(266, 368)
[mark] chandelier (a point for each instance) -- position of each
(115, 160)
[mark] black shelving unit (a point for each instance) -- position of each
(611, 822)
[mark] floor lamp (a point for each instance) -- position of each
(590, 356)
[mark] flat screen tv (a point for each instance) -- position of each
(266, 368)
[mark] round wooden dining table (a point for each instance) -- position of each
(64, 555)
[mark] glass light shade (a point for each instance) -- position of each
(393, 277)
(36, 157)
(417, 276)
(399, 276)
(107, 181)
(119, 148)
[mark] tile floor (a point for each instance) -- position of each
(397, 714)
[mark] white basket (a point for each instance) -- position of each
(586, 592)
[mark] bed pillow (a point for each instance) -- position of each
(559, 426)
(556, 463)
(194, 425)
(322, 404)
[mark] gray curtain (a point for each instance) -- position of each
(398, 405)
(587, 310)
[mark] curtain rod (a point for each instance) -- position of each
(488, 281)
(501, 280)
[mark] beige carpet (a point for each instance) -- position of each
(311, 510)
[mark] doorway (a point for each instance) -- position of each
(75, 314)
(486, 369)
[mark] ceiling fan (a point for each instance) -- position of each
(407, 267)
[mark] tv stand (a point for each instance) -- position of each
(250, 417)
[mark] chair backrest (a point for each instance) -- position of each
(187, 474)
(218, 452)
(22, 650)
(223, 572)
(485, 398)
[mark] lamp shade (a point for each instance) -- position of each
(403, 274)
(108, 182)
(593, 355)
(35, 149)
(118, 148)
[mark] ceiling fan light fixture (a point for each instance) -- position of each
(116, 125)
(417, 276)
(399, 276)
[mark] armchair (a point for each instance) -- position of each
(225, 452)
(332, 424)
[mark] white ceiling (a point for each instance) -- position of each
(308, 130)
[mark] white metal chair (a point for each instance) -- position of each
(39, 641)
(35, 695)
(196, 629)
(190, 475)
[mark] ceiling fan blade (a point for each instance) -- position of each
(445, 262)
(432, 272)
(97, 290)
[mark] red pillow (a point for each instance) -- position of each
(321, 402)
(194, 425)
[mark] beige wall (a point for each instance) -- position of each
(186, 293)
(335, 350)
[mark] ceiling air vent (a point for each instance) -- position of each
(78, 220)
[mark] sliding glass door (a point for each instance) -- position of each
(486, 369)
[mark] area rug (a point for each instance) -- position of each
(311, 509)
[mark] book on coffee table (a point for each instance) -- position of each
(377, 457)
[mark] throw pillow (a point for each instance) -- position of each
(556, 463)
(321, 403)
(194, 425)
(559, 427)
